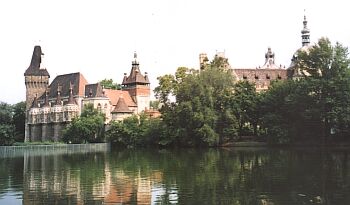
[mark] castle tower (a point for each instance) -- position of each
(305, 34)
(138, 86)
(36, 79)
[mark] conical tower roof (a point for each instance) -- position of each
(121, 107)
(135, 76)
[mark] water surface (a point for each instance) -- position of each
(185, 176)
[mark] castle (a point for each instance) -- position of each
(50, 107)
(262, 76)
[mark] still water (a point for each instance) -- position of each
(238, 176)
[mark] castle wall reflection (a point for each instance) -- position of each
(186, 176)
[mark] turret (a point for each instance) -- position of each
(56, 110)
(71, 108)
(138, 86)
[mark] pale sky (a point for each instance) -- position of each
(98, 38)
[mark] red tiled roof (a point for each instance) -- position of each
(121, 107)
(114, 95)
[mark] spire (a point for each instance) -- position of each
(71, 98)
(135, 74)
(46, 104)
(305, 33)
(135, 62)
(269, 56)
(35, 101)
(58, 99)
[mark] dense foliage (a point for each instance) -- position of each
(89, 127)
(109, 84)
(12, 119)
(314, 108)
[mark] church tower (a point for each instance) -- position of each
(305, 34)
(36, 79)
(138, 86)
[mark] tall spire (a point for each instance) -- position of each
(58, 99)
(71, 98)
(305, 33)
(35, 101)
(46, 104)
(135, 62)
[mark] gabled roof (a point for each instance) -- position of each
(94, 90)
(121, 107)
(34, 67)
(114, 96)
(76, 79)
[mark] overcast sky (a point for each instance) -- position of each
(98, 38)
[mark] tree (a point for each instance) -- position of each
(5, 113)
(7, 129)
(326, 69)
(109, 84)
(89, 127)
(245, 100)
(202, 114)
(19, 120)
(155, 104)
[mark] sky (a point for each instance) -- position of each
(98, 37)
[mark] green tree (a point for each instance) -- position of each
(202, 113)
(5, 113)
(19, 120)
(245, 100)
(155, 104)
(326, 69)
(7, 129)
(109, 84)
(89, 127)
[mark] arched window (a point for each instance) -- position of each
(99, 107)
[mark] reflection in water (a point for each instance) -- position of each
(186, 176)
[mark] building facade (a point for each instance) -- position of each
(50, 107)
(263, 76)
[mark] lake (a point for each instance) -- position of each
(238, 176)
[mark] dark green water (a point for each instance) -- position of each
(187, 176)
